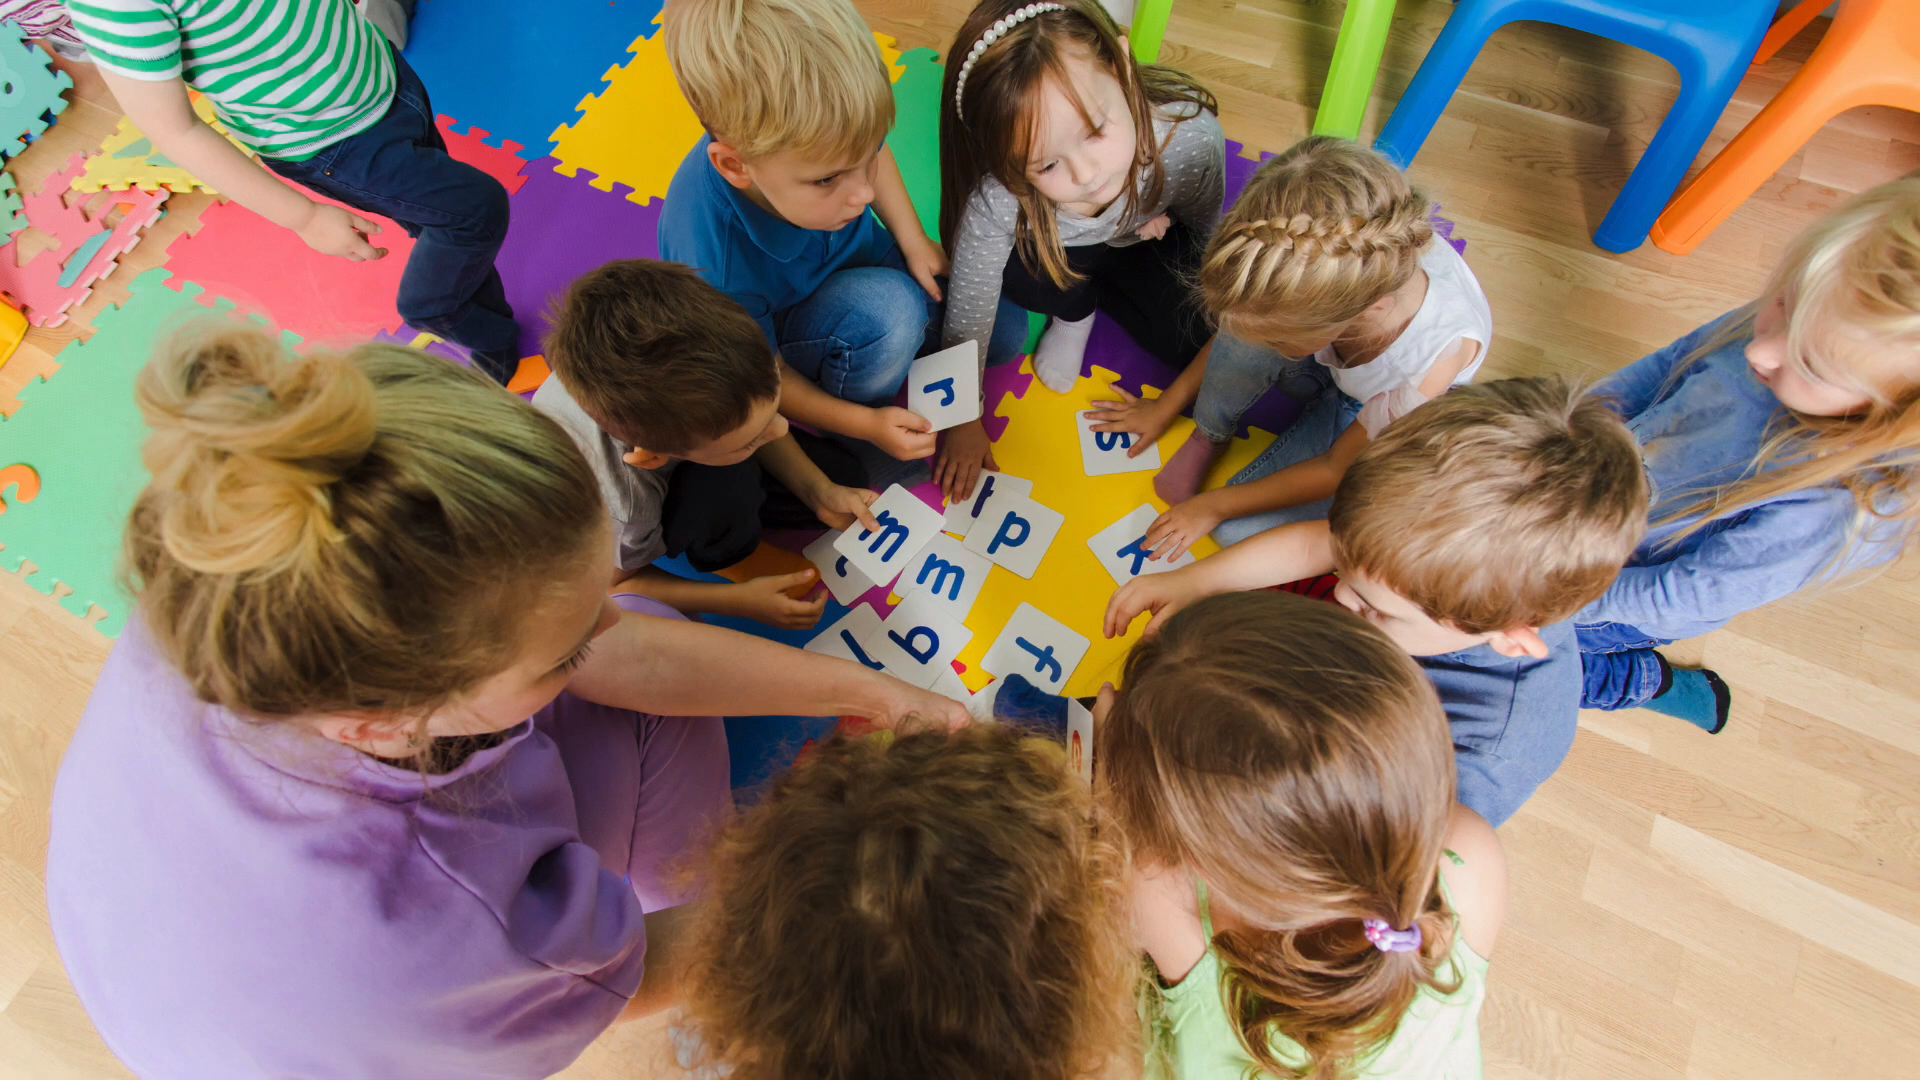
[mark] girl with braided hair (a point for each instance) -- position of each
(1072, 180)
(1326, 277)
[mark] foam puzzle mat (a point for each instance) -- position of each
(574, 109)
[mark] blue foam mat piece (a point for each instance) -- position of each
(520, 70)
(761, 747)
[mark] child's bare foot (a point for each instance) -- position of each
(1180, 478)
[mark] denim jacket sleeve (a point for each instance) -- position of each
(1639, 384)
(1768, 553)
(1492, 785)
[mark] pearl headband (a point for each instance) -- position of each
(994, 33)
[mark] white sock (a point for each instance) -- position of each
(1062, 348)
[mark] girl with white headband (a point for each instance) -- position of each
(1073, 180)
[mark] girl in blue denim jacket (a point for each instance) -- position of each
(1780, 443)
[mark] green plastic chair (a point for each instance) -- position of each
(1356, 58)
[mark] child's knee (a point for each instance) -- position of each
(898, 312)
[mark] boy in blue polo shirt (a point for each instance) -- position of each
(771, 206)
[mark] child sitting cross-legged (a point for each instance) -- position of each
(928, 905)
(1471, 530)
(771, 206)
(672, 394)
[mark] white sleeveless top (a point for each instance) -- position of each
(1455, 307)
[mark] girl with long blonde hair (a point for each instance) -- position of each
(1781, 441)
(1314, 902)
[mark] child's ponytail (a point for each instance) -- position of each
(1321, 232)
(1298, 762)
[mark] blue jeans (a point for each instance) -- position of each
(1239, 374)
(1326, 415)
(859, 331)
(1619, 669)
(456, 214)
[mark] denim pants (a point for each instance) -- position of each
(456, 214)
(860, 331)
(1619, 669)
(1327, 413)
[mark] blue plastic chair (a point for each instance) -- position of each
(1710, 42)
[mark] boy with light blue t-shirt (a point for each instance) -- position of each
(771, 207)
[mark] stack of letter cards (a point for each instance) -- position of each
(937, 578)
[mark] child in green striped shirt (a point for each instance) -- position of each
(321, 96)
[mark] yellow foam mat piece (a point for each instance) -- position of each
(115, 169)
(1041, 443)
(640, 128)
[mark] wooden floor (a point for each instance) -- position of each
(1742, 906)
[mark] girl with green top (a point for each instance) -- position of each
(1312, 900)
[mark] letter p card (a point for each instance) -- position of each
(906, 524)
(945, 386)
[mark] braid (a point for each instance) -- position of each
(1337, 228)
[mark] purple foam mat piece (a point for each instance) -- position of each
(562, 228)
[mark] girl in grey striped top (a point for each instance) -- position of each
(1073, 180)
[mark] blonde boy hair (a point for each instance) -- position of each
(1501, 505)
(770, 75)
(1320, 233)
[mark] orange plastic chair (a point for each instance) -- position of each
(1870, 56)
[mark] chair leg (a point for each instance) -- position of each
(1356, 60)
(1787, 27)
(1439, 76)
(1817, 94)
(1703, 97)
(1149, 29)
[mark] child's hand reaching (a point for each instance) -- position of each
(838, 507)
(906, 435)
(332, 230)
(926, 261)
(1155, 229)
(964, 451)
(1147, 418)
(1158, 594)
(1182, 527)
(769, 600)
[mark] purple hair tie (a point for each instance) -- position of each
(1387, 939)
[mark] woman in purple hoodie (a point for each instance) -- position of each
(379, 782)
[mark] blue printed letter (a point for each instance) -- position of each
(941, 570)
(1043, 660)
(1137, 549)
(980, 500)
(888, 527)
(1006, 534)
(918, 633)
(859, 653)
(945, 386)
(1107, 440)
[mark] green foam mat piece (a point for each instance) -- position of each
(12, 220)
(82, 433)
(916, 133)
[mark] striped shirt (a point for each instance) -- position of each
(289, 77)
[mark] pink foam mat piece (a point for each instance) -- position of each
(73, 219)
(503, 162)
(270, 271)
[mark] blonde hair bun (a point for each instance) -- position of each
(247, 443)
